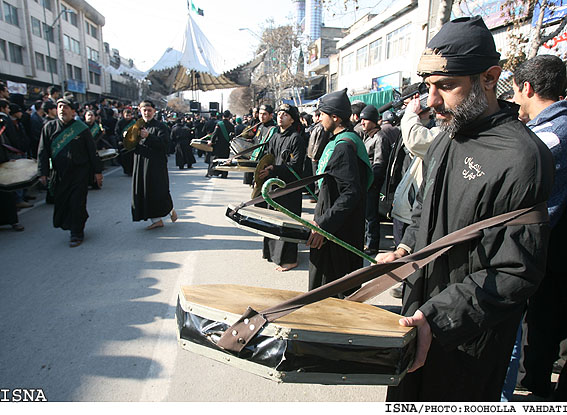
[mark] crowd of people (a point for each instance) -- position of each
(433, 166)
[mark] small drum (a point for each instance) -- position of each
(240, 144)
(107, 154)
(18, 174)
(331, 342)
(201, 144)
(267, 222)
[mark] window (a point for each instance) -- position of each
(48, 32)
(398, 42)
(11, 14)
(334, 82)
(36, 26)
(39, 61)
(51, 64)
(70, 71)
(92, 54)
(71, 44)
(348, 64)
(375, 51)
(78, 74)
(94, 78)
(70, 16)
(46, 3)
(361, 58)
(16, 53)
(92, 30)
(3, 54)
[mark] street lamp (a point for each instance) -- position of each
(251, 31)
(51, 27)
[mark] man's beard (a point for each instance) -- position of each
(467, 111)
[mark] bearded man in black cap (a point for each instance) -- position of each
(221, 143)
(288, 148)
(467, 304)
(69, 145)
(342, 195)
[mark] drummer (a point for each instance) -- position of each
(69, 145)
(288, 148)
(96, 130)
(221, 142)
(126, 158)
(263, 134)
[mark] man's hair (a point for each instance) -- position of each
(4, 103)
(3, 86)
(545, 73)
(53, 89)
(357, 107)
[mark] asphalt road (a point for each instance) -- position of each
(97, 322)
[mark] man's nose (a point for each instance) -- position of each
(434, 99)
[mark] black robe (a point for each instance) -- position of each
(289, 151)
(150, 180)
(262, 131)
(8, 209)
(474, 295)
(181, 137)
(70, 176)
(340, 211)
(125, 158)
(221, 147)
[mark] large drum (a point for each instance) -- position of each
(240, 144)
(201, 144)
(18, 174)
(267, 222)
(236, 165)
(333, 342)
(107, 154)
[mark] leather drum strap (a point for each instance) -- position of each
(239, 334)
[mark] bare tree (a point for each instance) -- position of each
(241, 100)
(278, 71)
(178, 104)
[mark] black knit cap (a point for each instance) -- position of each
(463, 46)
(291, 110)
(336, 103)
(267, 108)
(369, 113)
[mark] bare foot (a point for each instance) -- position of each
(286, 267)
(158, 224)
(173, 215)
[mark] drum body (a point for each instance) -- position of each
(236, 165)
(18, 174)
(267, 222)
(328, 342)
(107, 154)
(240, 144)
(201, 144)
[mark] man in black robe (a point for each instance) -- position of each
(69, 145)
(342, 194)
(150, 181)
(264, 133)
(467, 304)
(220, 141)
(181, 135)
(288, 148)
(126, 158)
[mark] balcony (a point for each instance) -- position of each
(318, 64)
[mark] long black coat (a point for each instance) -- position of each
(150, 181)
(73, 167)
(288, 149)
(474, 295)
(181, 136)
(221, 147)
(340, 211)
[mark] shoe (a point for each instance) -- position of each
(27, 198)
(75, 242)
(371, 251)
(23, 204)
(17, 227)
(397, 292)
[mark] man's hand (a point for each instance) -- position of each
(414, 105)
(423, 337)
(144, 133)
(316, 240)
(262, 174)
(98, 178)
(386, 257)
(43, 180)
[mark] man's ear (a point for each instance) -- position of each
(490, 77)
(528, 89)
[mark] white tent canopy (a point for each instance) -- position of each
(198, 66)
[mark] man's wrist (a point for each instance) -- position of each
(403, 250)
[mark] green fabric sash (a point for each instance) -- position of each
(361, 152)
(257, 154)
(95, 129)
(130, 124)
(66, 136)
(224, 132)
